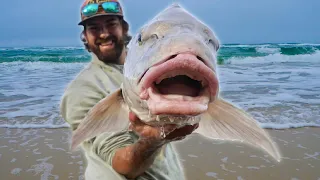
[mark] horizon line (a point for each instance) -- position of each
(222, 44)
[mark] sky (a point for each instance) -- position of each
(54, 23)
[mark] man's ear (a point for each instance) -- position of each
(83, 37)
(125, 26)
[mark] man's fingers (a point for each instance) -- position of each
(133, 117)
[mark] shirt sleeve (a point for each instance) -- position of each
(77, 101)
(106, 144)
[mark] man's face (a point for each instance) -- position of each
(104, 35)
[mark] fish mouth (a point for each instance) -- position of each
(179, 85)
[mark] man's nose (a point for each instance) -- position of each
(104, 33)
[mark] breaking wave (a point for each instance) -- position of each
(276, 83)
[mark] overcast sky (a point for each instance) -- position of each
(54, 22)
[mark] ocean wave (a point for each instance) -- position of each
(41, 49)
(79, 54)
(34, 126)
(267, 50)
(280, 90)
(300, 44)
(274, 58)
(297, 50)
(46, 58)
(287, 125)
(20, 66)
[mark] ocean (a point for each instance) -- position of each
(279, 84)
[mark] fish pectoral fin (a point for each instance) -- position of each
(110, 114)
(224, 121)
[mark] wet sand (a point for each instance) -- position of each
(43, 154)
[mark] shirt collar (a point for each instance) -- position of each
(95, 60)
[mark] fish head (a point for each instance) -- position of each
(170, 72)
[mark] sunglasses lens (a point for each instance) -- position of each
(90, 9)
(111, 7)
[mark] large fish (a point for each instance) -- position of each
(170, 77)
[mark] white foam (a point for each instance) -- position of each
(240, 45)
(34, 126)
(33, 90)
(275, 58)
(224, 160)
(212, 174)
(35, 151)
(51, 147)
(266, 49)
(301, 44)
(16, 171)
(44, 168)
(279, 91)
(42, 49)
(223, 167)
(312, 156)
(253, 167)
(193, 156)
(287, 125)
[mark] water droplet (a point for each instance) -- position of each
(171, 119)
(162, 133)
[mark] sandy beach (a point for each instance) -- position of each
(44, 154)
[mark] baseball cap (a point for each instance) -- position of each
(94, 8)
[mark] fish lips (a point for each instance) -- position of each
(186, 64)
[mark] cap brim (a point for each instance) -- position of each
(98, 15)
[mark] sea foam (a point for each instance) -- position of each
(279, 90)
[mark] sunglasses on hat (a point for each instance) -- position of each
(108, 7)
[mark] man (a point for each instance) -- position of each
(139, 153)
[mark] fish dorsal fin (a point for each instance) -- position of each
(108, 115)
(225, 121)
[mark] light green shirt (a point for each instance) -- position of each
(92, 84)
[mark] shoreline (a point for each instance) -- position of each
(43, 153)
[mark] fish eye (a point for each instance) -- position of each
(139, 39)
(210, 42)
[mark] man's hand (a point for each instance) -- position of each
(135, 159)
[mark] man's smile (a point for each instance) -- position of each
(107, 44)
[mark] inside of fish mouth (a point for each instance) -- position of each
(179, 85)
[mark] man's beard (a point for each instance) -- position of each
(112, 55)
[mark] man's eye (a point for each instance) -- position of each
(112, 24)
(93, 28)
